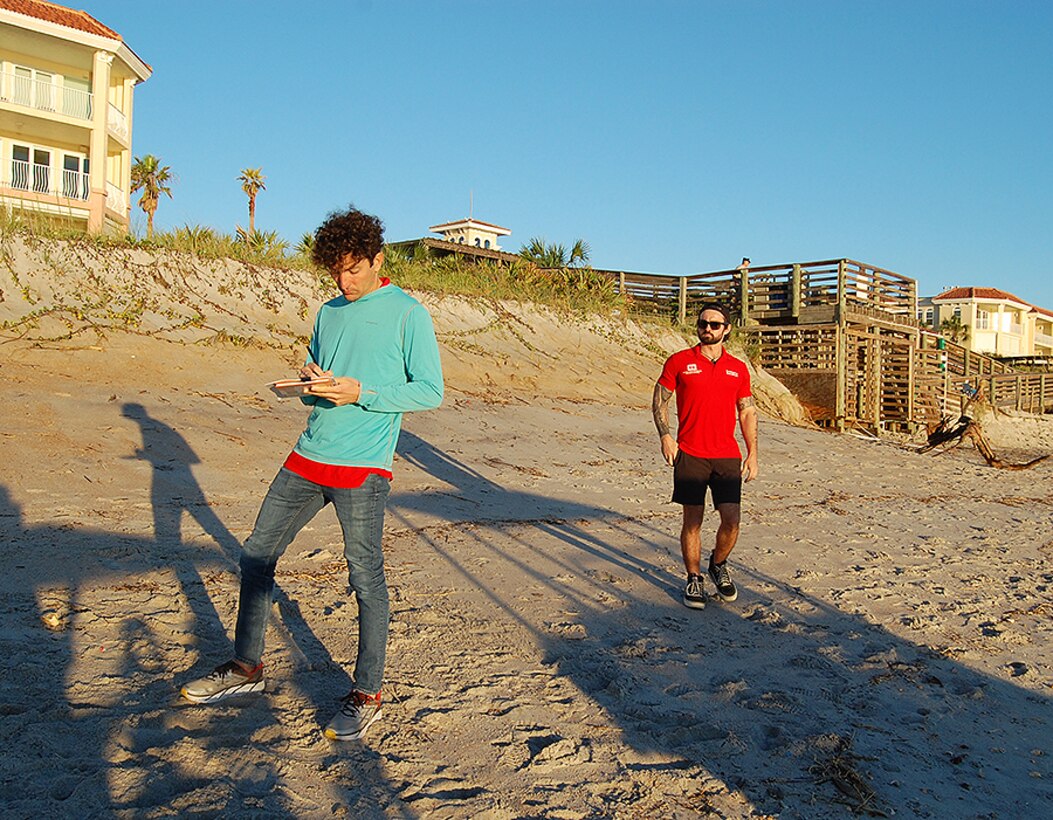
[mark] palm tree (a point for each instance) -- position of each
(579, 254)
(251, 180)
(555, 255)
(306, 244)
(953, 329)
(152, 177)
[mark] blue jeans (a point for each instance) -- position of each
(291, 502)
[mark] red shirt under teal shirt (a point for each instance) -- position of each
(707, 397)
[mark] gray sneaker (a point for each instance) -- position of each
(359, 712)
(226, 680)
(722, 578)
(694, 594)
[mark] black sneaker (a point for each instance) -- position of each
(722, 578)
(694, 594)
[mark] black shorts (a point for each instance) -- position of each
(691, 477)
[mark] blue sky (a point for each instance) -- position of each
(674, 137)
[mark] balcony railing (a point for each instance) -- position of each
(40, 179)
(117, 122)
(116, 200)
(45, 95)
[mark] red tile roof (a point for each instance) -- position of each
(60, 15)
(979, 293)
(988, 293)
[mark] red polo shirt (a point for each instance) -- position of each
(707, 397)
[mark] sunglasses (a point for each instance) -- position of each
(702, 325)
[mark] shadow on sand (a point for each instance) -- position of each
(864, 718)
(97, 627)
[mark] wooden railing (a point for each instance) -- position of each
(887, 377)
(795, 347)
(843, 336)
(1032, 392)
(828, 290)
(649, 293)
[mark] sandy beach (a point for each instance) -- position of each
(889, 654)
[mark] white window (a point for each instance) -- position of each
(983, 320)
(33, 88)
(76, 98)
(75, 179)
(31, 168)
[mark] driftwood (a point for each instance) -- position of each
(968, 428)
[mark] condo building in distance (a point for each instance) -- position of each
(996, 322)
(66, 86)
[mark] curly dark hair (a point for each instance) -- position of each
(347, 232)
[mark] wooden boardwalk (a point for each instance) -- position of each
(842, 335)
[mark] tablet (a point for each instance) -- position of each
(290, 388)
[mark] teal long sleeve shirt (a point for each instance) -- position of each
(386, 341)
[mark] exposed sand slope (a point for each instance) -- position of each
(893, 628)
(75, 292)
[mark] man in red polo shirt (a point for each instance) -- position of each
(712, 389)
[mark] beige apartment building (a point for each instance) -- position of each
(1000, 324)
(66, 86)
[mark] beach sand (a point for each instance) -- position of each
(889, 653)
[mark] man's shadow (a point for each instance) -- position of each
(173, 487)
(868, 697)
(89, 629)
(474, 497)
(174, 491)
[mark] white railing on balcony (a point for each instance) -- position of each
(38, 179)
(117, 122)
(44, 95)
(28, 177)
(116, 200)
(1044, 339)
(75, 184)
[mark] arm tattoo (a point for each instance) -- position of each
(746, 401)
(660, 409)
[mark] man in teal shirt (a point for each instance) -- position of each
(377, 345)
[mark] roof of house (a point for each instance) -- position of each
(979, 293)
(956, 294)
(444, 246)
(60, 15)
(464, 223)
